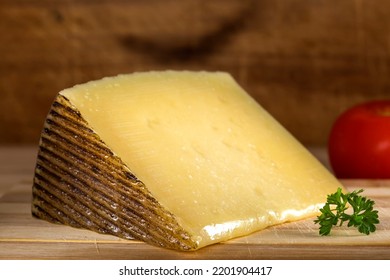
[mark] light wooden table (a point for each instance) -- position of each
(25, 237)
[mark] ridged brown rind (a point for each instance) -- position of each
(80, 182)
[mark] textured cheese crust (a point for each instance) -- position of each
(213, 160)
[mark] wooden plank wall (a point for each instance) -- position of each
(303, 60)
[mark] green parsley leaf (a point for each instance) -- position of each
(364, 217)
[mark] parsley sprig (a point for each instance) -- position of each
(364, 217)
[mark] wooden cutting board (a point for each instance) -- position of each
(25, 237)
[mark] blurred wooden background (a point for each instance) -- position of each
(304, 60)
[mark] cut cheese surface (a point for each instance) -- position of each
(204, 150)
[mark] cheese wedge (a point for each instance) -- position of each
(177, 159)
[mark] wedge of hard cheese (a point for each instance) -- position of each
(176, 159)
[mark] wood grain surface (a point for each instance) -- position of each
(305, 61)
(25, 237)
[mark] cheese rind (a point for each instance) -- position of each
(80, 182)
(215, 161)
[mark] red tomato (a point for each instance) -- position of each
(359, 142)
